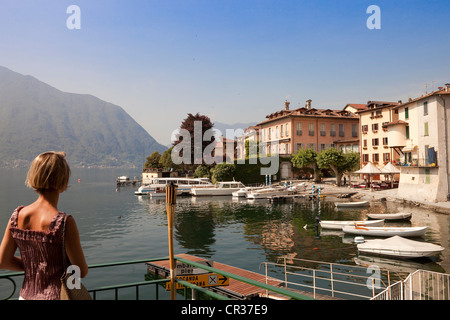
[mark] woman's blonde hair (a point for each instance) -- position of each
(49, 171)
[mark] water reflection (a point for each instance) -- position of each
(207, 226)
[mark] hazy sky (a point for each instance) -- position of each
(233, 60)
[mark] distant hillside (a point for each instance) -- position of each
(35, 117)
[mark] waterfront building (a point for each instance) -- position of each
(420, 138)
(374, 140)
(287, 131)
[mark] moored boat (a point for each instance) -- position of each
(399, 247)
(184, 185)
(223, 188)
(399, 216)
(244, 191)
(351, 204)
(269, 192)
(385, 231)
(338, 225)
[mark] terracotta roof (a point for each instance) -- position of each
(396, 122)
(358, 106)
(437, 92)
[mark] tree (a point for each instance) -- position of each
(202, 171)
(306, 158)
(153, 160)
(166, 159)
(337, 161)
(189, 124)
(223, 172)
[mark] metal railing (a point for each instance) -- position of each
(419, 285)
(332, 279)
(158, 282)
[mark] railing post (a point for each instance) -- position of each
(171, 199)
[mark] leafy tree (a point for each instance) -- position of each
(306, 158)
(189, 125)
(166, 159)
(202, 171)
(223, 172)
(337, 161)
(153, 160)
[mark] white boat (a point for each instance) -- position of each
(385, 231)
(351, 204)
(223, 188)
(244, 191)
(399, 247)
(390, 216)
(184, 185)
(337, 225)
(269, 192)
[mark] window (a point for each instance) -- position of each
(281, 131)
(365, 158)
(299, 128)
(322, 129)
(354, 131)
(299, 146)
(425, 129)
(365, 143)
(375, 142)
(322, 146)
(311, 129)
(427, 176)
(276, 133)
(386, 157)
(375, 127)
(332, 130)
(341, 130)
(287, 129)
(312, 146)
(287, 148)
(270, 133)
(425, 108)
(375, 158)
(407, 132)
(385, 141)
(406, 113)
(365, 128)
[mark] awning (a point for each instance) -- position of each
(409, 148)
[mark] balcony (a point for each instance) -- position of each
(418, 163)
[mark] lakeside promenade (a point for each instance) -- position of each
(389, 194)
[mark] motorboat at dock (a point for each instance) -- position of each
(338, 225)
(385, 231)
(223, 188)
(399, 247)
(184, 185)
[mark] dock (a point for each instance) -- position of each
(236, 289)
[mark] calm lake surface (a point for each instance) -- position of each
(115, 225)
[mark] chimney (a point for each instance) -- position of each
(399, 101)
(286, 105)
(447, 87)
(308, 104)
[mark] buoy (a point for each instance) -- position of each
(359, 239)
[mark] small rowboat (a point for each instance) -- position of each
(385, 231)
(399, 247)
(337, 225)
(351, 204)
(390, 216)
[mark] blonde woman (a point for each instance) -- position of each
(36, 230)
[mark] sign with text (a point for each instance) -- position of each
(203, 280)
(185, 269)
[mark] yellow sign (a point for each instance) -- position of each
(203, 280)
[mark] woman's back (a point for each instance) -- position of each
(39, 240)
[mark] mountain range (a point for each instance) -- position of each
(35, 117)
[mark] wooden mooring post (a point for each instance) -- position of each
(171, 200)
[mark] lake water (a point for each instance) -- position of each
(115, 225)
